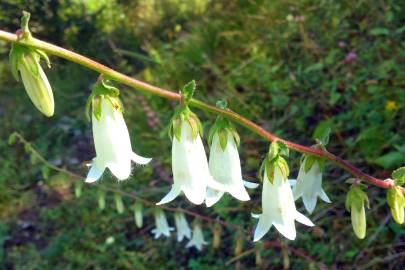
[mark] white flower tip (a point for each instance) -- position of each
(212, 197)
(292, 182)
(173, 193)
(240, 193)
(250, 185)
(139, 159)
(303, 219)
(94, 174)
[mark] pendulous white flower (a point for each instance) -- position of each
(189, 165)
(309, 185)
(278, 208)
(198, 238)
(224, 165)
(111, 139)
(162, 227)
(183, 230)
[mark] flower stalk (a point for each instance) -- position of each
(145, 87)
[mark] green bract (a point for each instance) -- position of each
(396, 202)
(223, 127)
(103, 89)
(274, 159)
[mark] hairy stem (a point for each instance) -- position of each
(145, 87)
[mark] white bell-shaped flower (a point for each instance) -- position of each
(198, 238)
(278, 208)
(182, 227)
(162, 227)
(309, 186)
(224, 164)
(190, 167)
(113, 145)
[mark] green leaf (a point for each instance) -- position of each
(314, 67)
(283, 149)
(379, 31)
(188, 91)
(273, 151)
(12, 138)
(399, 176)
(391, 160)
(322, 132)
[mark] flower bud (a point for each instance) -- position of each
(119, 204)
(138, 214)
(25, 60)
(396, 202)
(355, 201)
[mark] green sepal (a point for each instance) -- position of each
(269, 165)
(396, 201)
(182, 115)
(309, 161)
(44, 56)
(103, 89)
(223, 127)
(274, 159)
(16, 53)
(399, 176)
(187, 91)
(357, 197)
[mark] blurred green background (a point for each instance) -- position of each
(291, 66)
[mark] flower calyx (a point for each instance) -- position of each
(274, 159)
(102, 89)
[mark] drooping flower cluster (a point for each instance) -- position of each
(197, 178)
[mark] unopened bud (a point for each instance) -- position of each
(396, 202)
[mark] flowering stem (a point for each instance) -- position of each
(145, 87)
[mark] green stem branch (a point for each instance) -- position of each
(145, 87)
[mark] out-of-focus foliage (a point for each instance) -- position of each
(291, 66)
